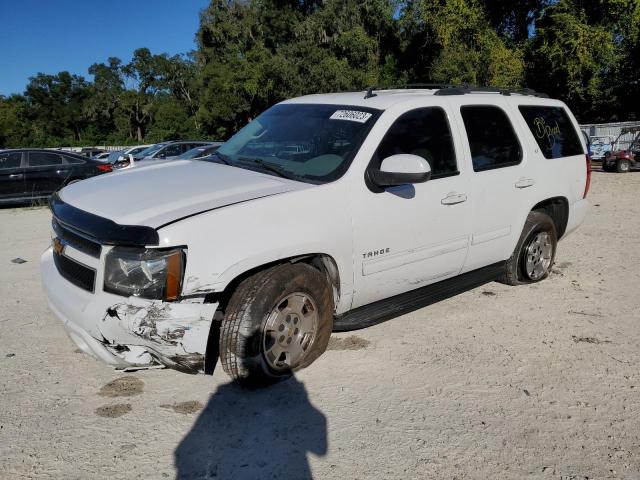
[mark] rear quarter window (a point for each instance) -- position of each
(553, 131)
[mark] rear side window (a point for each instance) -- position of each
(43, 159)
(73, 160)
(423, 132)
(492, 140)
(553, 131)
(10, 160)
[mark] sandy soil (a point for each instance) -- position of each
(500, 382)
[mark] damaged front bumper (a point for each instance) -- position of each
(127, 332)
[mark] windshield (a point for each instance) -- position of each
(312, 143)
(150, 150)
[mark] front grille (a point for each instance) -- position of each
(76, 273)
(79, 242)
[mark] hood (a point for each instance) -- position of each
(161, 193)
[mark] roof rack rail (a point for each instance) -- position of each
(466, 89)
(451, 89)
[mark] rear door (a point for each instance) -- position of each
(502, 185)
(11, 175)
(45, 173)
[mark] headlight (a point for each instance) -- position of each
(148, 273)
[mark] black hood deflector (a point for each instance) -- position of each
(102, 230)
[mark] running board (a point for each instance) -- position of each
(382, 310)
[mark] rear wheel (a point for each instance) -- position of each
(277, 321)
(623, 166)
(535, 252)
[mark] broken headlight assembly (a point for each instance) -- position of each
(146, 273)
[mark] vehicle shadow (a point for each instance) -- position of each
(253, 434)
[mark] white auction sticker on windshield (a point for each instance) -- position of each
(351, 115)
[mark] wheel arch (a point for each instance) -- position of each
(323, 262)
(558, 209)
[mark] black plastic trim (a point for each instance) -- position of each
(382, 310)
(102, 230)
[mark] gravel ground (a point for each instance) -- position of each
(500, 382)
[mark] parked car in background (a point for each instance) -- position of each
(198, 152)
(119, 155)
(162, 151)
(30, 174)
(599, 145)
(102, 157)
(90, 152)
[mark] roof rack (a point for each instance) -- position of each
(451, 89)
(465, 89)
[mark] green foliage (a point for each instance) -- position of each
(254, 53)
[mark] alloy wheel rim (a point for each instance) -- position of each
(289, 331)
(538, 256)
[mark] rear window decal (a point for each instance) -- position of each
(351, 115)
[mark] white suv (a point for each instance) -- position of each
(327, 212)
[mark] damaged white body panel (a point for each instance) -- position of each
(130, 331)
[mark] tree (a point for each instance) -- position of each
(569, 59)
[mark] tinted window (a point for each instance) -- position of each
(73, 160)
(553, 131)
(10, 160)
(423, 132)
(492, 141)
(42, 159)
(171, 150)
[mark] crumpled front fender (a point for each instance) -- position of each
(173, 334)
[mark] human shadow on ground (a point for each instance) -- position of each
(253, 434)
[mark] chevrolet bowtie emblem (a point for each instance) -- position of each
(57, 245)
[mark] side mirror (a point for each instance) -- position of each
(401, 169)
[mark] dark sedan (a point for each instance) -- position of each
(29, 174)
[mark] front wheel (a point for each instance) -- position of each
(623, 166)
(535, 252)
(277, 322)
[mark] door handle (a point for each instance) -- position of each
(62, 171)
(452, 198)
(525, 182)
(16, 175)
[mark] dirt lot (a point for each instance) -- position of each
(500, 382)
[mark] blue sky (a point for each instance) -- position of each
(50, 36)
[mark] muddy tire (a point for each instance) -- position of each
(623, 166)
(535, 252)
(277, 321)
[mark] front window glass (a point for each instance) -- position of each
(10, 160)
(423, 132)
(310, 143)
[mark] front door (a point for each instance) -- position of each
(410, 236)
(11, 175)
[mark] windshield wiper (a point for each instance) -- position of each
(271, 168)
(223, 158)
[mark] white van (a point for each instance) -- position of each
(326, 212)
